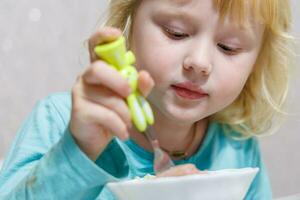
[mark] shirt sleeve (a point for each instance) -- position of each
(45, 162)
(260, 187)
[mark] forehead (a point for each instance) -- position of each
(179, 2)
(228, 11)
(185, 3)
(200, 13)
(197, 6)
(193, 7)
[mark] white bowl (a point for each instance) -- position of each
(231, 184)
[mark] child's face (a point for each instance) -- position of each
(183, 41)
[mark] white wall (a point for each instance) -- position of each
(281, 151)
(40, 44)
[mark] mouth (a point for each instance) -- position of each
(188, 90)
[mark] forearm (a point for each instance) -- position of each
(62, 173)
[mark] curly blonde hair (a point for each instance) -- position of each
(264, 95)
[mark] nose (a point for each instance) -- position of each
(198, 59)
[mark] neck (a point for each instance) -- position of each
(174, 136)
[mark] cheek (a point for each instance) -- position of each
(154, 59)
(230, 88)
(226, 92)
(231, 81)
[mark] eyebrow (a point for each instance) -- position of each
(178, 14)
(244, 32)
(179, 2)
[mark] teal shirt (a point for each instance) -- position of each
(45, 162)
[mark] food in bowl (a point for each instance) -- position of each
(228, 184)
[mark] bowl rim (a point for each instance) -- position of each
(167, 180)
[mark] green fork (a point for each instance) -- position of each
(115, 54)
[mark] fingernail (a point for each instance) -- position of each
(116, 31)
(112, 33)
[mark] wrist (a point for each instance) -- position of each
(92, 149)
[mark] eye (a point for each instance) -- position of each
(176, 35)
(229, 50)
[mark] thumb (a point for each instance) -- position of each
(145, 83)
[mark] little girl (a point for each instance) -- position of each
(215, 74)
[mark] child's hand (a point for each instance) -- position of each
(181, 170)
(99, 111)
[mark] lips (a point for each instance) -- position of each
(189, 90)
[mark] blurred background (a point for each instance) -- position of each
(42, 50)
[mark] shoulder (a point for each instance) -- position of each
(237, 152)
(233, 140)
(228, 152)
(249, 145)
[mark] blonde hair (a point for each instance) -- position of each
(264, 95)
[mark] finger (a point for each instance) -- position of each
(103, 35)
(102, 74)
(109, 99)
(96, 114)
(145, 83)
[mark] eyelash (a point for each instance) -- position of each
(228, 50)
(179, 36)
(175, 35)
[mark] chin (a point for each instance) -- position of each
(179, 114)
(177, 111)
(183, 114)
